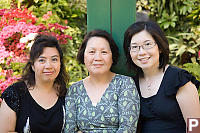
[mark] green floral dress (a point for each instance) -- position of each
(117, 111)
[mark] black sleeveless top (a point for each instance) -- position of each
(31, 117)
(161, 113)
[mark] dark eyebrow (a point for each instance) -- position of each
(41, 57)
(147, 40)
(134, 43)
(51, 56)
(54, 56)
(143, 42)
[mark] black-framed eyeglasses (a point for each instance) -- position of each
(145, 46)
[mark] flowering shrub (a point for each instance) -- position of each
(55, 30)
(11, 17)
(10, 44)
(9, 79)
(17, 30)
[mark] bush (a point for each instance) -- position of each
(17, 30)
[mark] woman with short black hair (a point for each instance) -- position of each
(168, 94)
(103, 102)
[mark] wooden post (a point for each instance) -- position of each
(114, 16)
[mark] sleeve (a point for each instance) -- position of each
(70, 105)
(128, 106)
(11, 98)
(179, 79)
(185, 77)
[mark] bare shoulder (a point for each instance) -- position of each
(188, 100)
(188, 89)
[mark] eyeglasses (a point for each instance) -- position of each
(145, 46)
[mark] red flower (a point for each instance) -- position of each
(2, 11)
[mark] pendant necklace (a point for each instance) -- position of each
(149, 87)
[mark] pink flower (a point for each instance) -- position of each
(66, 22)
(199, 54)
(3, 54)
(7, 82)
(45, 17)
(49, 13)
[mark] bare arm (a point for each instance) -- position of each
(7, 119)
(188, 100)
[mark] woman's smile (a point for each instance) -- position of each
(144, 60)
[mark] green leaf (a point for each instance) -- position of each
(36, 1)
(74, 15)
(173, 46)
(193, 68)
(166, 25)
(173, 24)
(191, 50)
(196, 45)
(173, 60)
(181, 50)
(193, 59)
(174, 38)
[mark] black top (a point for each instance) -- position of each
(161, 113)
(30, 115)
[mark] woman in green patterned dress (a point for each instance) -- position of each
(103, 102)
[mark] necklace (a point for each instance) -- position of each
(149, 86)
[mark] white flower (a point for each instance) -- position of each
(31, 36)
(30, 44)
(23, 40)
(28, 38)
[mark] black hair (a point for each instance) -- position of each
(103, 34)
(41, 42)
(155, 31)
